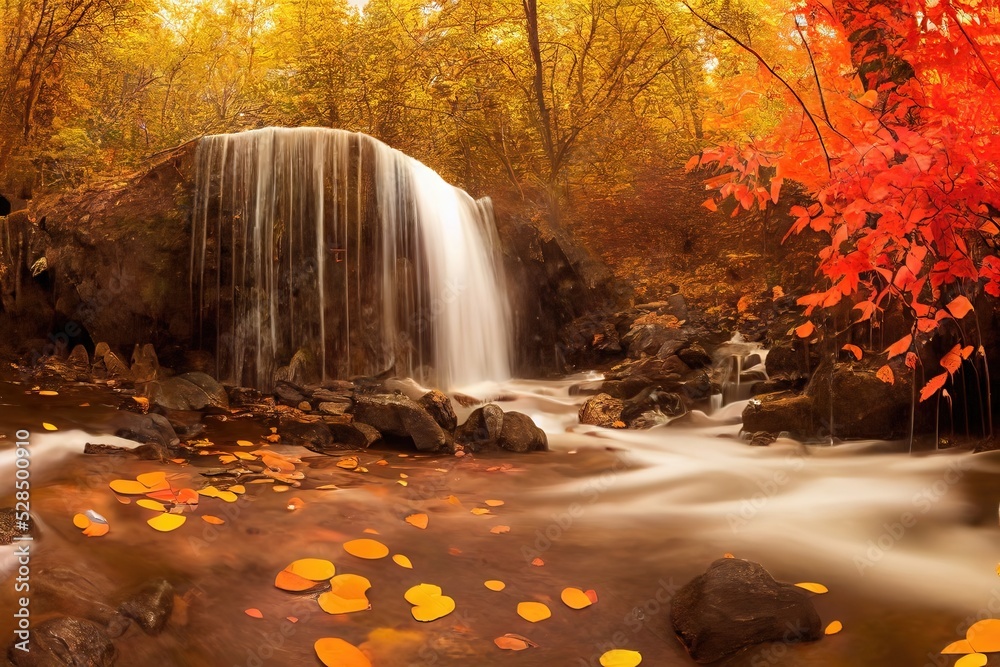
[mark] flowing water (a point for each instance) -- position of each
(333, 244)
(907, 545)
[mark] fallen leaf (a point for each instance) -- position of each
(813, 588)
(495, 585)
(166, 522)
(289, 581)
(833, 628)
(972, 660)
(500, 530)
(494, 503)
(49, 427)
(226, 458)
(335, 652)
(244, 443)
(81, 521)
(591, 594)
(96, 529)
(885, 375)
(985, 635)
(478, 511)
(533, 611)
(417, 520)
(291, 619)
(149, 504)
(538, 562)
(48, 392)
(574, 598)
(295, 503)
(314, 569)
(962, 646)
(429, 603)
(621, 658)
(253, 612)
(370, 531)
(214, 520)
(402, 561)
(366, 548)
(348, 463)
(128, 487)
(512, 642)
(346, 595)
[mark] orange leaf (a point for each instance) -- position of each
(885, 375)
(867, 309)
(966, 351)
(254, 613)
(900, 346)
(959, 307)
(911, 360)
(932, 386)
(710, 205)
(805, 330)
(853, 349)
(500, 530)
(512, 642)
(538, 562)
(952, 360)
(335, 651)
(417, 520)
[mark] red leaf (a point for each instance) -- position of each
(692, 163)
(805, 330)
(959, 307)
(933, 386)
(710, 204)
(853, 349)
(952, 360)
(867, 309)
(900, 346)
(911, 360)
(885, 375)
(966, 351)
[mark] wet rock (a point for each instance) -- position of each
(323, 395)
(655, 368)
(602, 410)
(354, 435)
(313, 434)
(695, 356)
(395, 414)
(115, 368)
(520, 434)
(73, 593)
(337, 408)
(151, 606)
(304, 406)
(8, 525)
(289, 394)
(775, 384)
(149, 428)
(698, 388)
(244, 396)
(779, 412)
(145, 365)
(190, 391)
(65, 641)
(863, 406)
(762, 439)
(647, 339)
(789, 358)
(186, 423)
(146, 452)
(651, 400)
(481, 431)
(79, 360)
(737, 604)
(439, 406)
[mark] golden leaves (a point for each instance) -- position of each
(314, 569)
(574, 598)
(533, 611)
(335, 652)
(429, 603)
(166, 522)
(833, 628)
(819, 589)
(417, 520)
(366, 548)
(346, 595)
(621, 658)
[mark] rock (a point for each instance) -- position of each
(323, 395)
(481, 431)
(779, 412)
(439, 406)
(307, 434)
(288, 393)
(186, 423)
(651, 400)
(863, 406)
(149, 428)
(145, 365)
(354, 435)
(244, 396)
(698, 388)
(79, 360)
(655, 368)
(190, 391)
(304, 406)
(695, 356)
(762, 439)
(65, 641)
(395, 414)
(8, 525)
(602, 410)
(737, 604)
(677, 306)
(151, 606)
(520, 434)
(146, 452)
(647, 339)
(76, 593)
(337, 408)
(115, 368)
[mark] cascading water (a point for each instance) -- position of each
(336, 249)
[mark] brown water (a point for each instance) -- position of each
(633, 515)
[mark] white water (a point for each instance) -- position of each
(333, 243)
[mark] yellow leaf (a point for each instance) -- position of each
(533, 611)
(244, 443)
(574, 598)
(226, 458)
(238, 488)
(335, 652)
(495, 585)
(366, 548)
(314, 569)
(81, 521)
(962, 646)
(346, 595)
(214, 520)
(245, 456)
(166, 522)
(813, 588)
(972, 660)
(348, 463)
(149, 504)
(494, 503)
(478, 511)
(500, 530)
(152, 479)
(402, 561)
(96, 529)
(417, 520)
(49, 427)
(289, 581)
(985, 635)
(429, 603)
(833, 628)
(48, 392)
(621, 658)
(129, 487)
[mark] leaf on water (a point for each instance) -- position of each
(348, 463)
(402, 561)
(479, 511)
(959, 307)
(152, 479)
(574, 598)
(972, 660)
(500, 530)
(244, 456)
(495, 585)
(214, 520)
(166, 522)
(244, 443)
(853, 349)
(295, 504)
(885, 375)
(366, 548)
(48, 392)
(962, 646)
(279, 488)
(621, 658)
(149, 504)
(81, 521)
(187, 497)
(533, 611)
(402, 482)
(346, 595)
(591, 594)
(335, 652)
(96, 529)
(417, 520)
(129, 487)
(805, 330)
(833, 628)
(453, 500)
(314, 569)
(932, 387)
(226, 458)
(253, 612)
(538, 562)
(985, 635)
(291, 619)
(289, 581)
(819, 589)
(512, 642)
(494, 503)
(429, 603)
(238, 488)
(49, 427)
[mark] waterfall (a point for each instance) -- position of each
(336, 250)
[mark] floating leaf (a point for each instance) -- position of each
(985, 635)
(366, 548)
(214, 520)
(149, 504)
(335, 652)
(253, 612)
(186, 497)
(166, 522)
(833, 628)
(96, 529)
(885, 375)
(429, 603)
(591, 594)
(238, 488)
(574, 598)
(152, 480)
(533, 611)
(314, 569)
(128, 487)
(805, 330)
(494, 503)
(972, 660)
(959, 307)
(962, 646)
(417, 520)
(814, 588)
(295, 504)
(48, 392)
(81, 521)
(402, 561)
(500, 530)
(348, 463)
(512, 642)
(346, 595)
(621, 658)
(244, 443)
(538, 562)
(226, 458)
(495, 585)
(289, 581)
(49, 427)
(853, 349)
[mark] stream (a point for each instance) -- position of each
(905, 544)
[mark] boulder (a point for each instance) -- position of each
(65, 641)
(602, 410)
(863, 406)
(735, 604)
(520, 434)
(145, 428)
(311, 434)
(481, 431)
(337, 408)
(354, 435)
(695, 356)
(74, 592)
(439, 406)
(395, 414)
(647, 339)
(189, 391)
(782, 411)
(288, 393)
(151, 606)
(651, 400)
